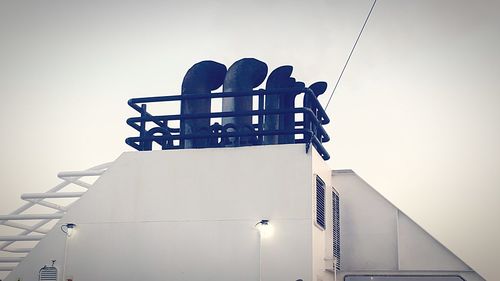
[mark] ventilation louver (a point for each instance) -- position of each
(48, 273)
(320, 202)
(336, 228)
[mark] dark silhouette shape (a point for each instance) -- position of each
(318, 89)
(278, 79)
(164, 141)
(273, 121)
(281, 79)
(243, 76)
(201, 78)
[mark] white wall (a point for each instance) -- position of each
(51, 247)
(368, 226)
(378, 238)
(419, 251)
(190, 215)
(322, 239)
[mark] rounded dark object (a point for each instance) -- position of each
(318, 88)
(243, 76)
(201, 78)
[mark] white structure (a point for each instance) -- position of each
(379, 239)
(191, 215)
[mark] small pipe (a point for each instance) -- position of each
(26, 232)
(51, 195)
(24, 227)
(80, 173)
(49, 205)
(21, 238)
(17, 250)
(78, 182)
(11, 259)
(31, 217)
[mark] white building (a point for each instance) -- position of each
(260, 212)
(191, 215)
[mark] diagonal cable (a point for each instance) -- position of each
(350, 54)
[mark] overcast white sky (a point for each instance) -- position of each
(416, 115)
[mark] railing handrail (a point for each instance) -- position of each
(218, 95)
(310, 128)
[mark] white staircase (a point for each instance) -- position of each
(12, 255)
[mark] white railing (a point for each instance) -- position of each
(36, 231)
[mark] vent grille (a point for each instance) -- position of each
(48, 273)
(320, 202)
(336, 228)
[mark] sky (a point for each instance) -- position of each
(416, 113)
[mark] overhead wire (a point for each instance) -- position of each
(350, 54)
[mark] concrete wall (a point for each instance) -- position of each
(377, 238)
(189, 215)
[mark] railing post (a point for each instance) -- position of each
(260, 125)
(142, 132)
(307, 119)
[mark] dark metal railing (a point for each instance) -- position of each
(296, 125)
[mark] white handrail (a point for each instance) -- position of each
(11, 259)
(50, 205)
(69, 178)
(51, 195)
(86, 173)
(26, 232)
(31, 217)
(21, 238)
(24, 227)
(17, 250)
(56, 188)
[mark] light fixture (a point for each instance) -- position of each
(265, 229)
(68, 228)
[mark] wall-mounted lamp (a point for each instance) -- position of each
(265, 229)
(68, 228)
